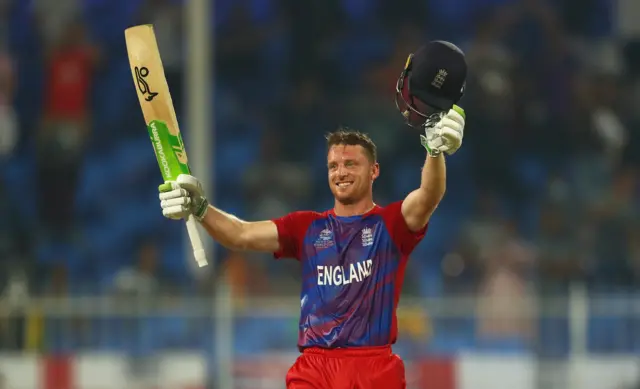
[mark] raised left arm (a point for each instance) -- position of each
(446, 136)
(420, 204)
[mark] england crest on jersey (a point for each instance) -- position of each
(367, 237)
(325, 240)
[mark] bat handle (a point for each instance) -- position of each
(196, 242)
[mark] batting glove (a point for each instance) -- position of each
(183, 197)
(446, 136)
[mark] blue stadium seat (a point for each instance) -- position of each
(261, 334)
(123, 229)
(233, 158)
(90, 191)
(19, 177)
(507, 345)
(448, 345)
(362, 47)
(610, 334)
(360, 10)
(553, 337)
(54, 253)
(109, 179)
(172, 256)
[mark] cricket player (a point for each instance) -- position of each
(353, 257)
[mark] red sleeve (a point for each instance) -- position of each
(402, 236)
(291, 231)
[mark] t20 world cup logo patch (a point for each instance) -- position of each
(325, 240)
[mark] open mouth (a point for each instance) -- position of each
(344, 184)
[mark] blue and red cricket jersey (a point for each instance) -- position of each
(352, 274)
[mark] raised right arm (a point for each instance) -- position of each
(236, 234)
(283, 236)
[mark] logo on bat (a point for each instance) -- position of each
(178, 150)
(143, 86)
(162, 158)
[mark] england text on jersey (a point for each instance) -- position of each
(341, 275)
(352, 274)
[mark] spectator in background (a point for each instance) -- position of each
(245, 277)
(14, 296)
(559, 253)
(12, 238)
(612, 220)
(463, 268)
(485, 229)
(633, 239)
(59, 283)
(8, 118)
(140, 285)
(62, 332)
(628, 104)
(506, 307)
(65, 125)
(608, 124)
(415, 324)
(53, 18)
(489, 98)
(237, 273)
(13, 287)
(590, 175)
(9, 222)
(140, 281)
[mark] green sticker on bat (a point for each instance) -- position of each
(169, 149)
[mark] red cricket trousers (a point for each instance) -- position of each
(353, 368)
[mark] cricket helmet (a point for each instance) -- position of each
(433, 80)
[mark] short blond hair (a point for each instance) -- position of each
(348, 137)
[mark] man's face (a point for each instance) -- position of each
(351, 173)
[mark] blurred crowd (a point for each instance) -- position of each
(543, 193)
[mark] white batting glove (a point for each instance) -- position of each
(183, 197)
(446, 136)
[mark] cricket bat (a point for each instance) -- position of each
(159, 115)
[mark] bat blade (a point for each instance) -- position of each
(148, 77)
(159, 115)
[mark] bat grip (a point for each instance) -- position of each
(196, 242)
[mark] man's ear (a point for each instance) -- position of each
(375, 171)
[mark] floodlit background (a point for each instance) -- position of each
(528, 277)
